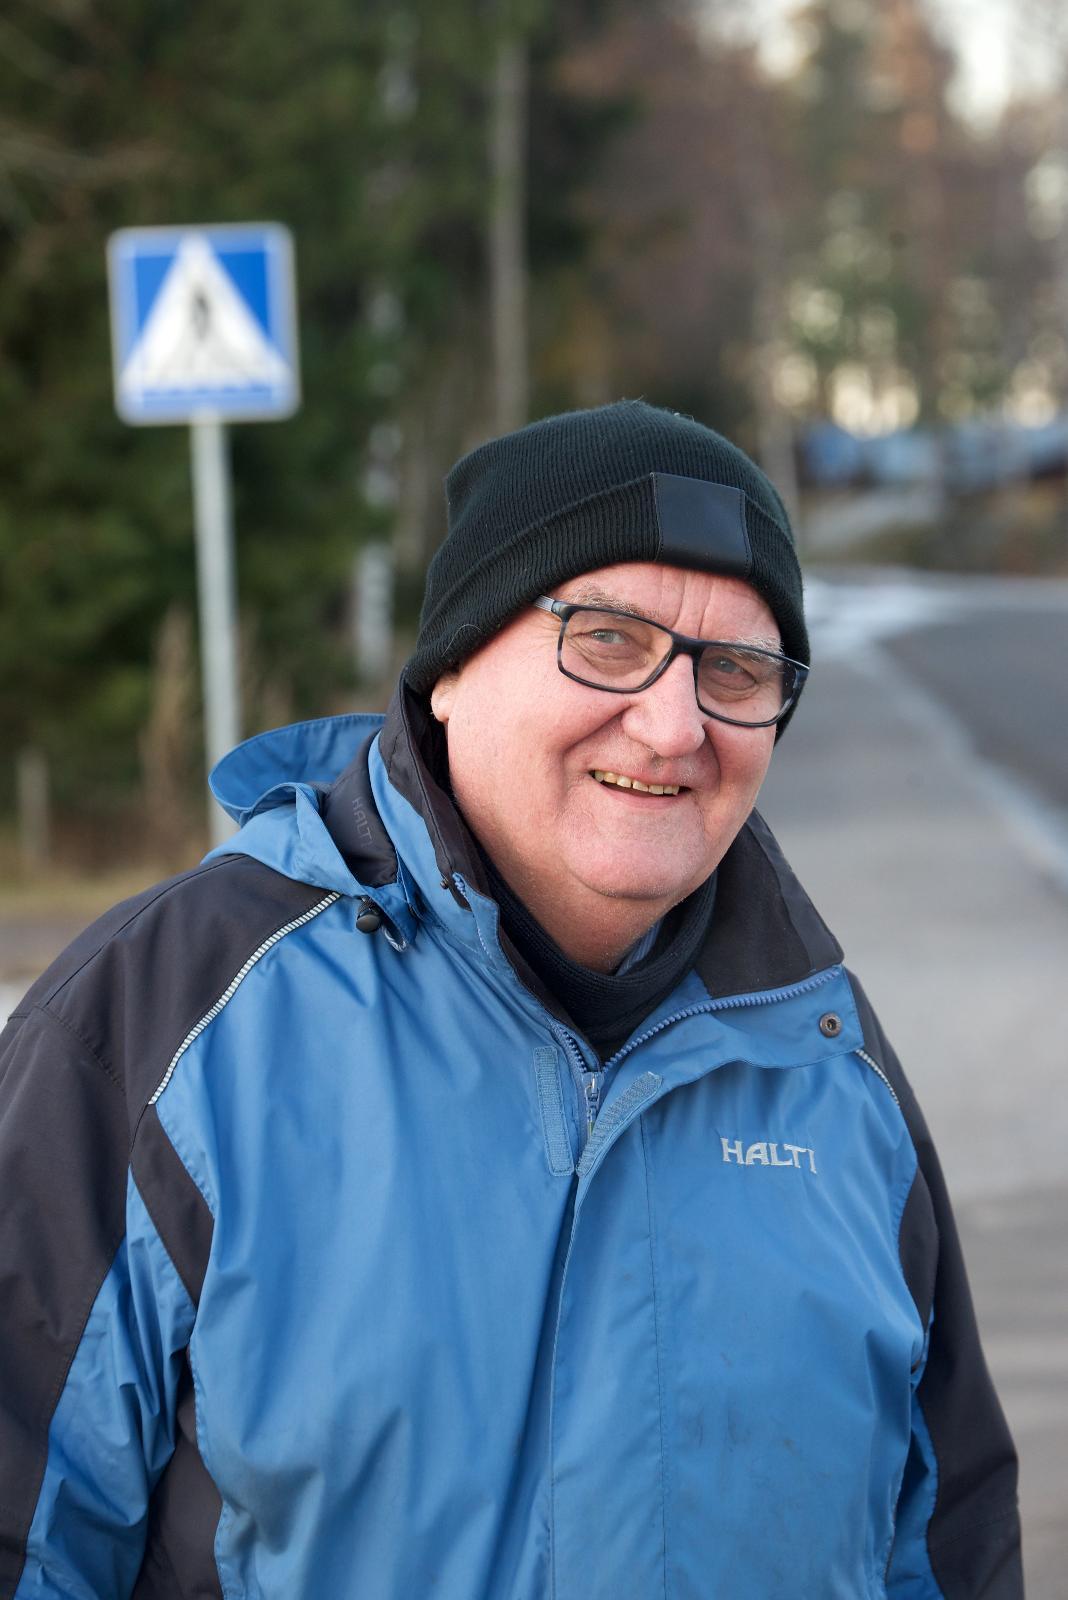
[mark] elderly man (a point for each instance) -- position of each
(481, 1177)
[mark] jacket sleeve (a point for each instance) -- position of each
(105, 1240)
(957, 1528)
(94, 1323)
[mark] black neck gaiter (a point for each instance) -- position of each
(607, 1007)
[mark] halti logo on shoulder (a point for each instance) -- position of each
(764, 1154)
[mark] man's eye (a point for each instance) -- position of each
(730, 673)
(730, 668)
(608, 636)
(604, 640)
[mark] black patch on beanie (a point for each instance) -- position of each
(701, 525)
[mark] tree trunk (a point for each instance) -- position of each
(508, 268)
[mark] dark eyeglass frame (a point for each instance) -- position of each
(682, 644)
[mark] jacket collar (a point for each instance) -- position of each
(765, 932)
(377, 837)
(413, 755)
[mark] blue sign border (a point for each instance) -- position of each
(258, 257)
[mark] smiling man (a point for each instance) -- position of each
(481, 1179)
(566, 791)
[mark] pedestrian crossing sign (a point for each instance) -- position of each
(203, 323)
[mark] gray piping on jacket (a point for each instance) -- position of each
(235, 983)
(877, 1069)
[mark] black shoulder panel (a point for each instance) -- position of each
(135, 983)
(79, 1060)
(974, 1534)
(765, 932)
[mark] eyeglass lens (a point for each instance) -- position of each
(621, 652)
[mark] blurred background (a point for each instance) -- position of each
(837, 231)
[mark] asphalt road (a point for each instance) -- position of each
(922, 795)
(1004, 674)
(989, 656)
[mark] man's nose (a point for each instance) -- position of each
(666, 717)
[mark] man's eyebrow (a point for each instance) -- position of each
(590, 595)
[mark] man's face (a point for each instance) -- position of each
(524, 742)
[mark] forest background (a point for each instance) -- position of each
(769, 219)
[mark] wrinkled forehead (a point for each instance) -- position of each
(713, 605)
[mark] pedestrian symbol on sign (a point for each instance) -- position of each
(200, 334)
(203, 323)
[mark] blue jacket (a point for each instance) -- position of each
(317, 1283)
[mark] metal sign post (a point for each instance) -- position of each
(216, 596)
(204, 331)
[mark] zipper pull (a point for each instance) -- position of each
(591, 1083)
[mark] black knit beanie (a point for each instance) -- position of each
(623, 482)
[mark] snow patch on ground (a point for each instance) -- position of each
(846, 619)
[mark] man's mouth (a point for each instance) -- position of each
(620, 781)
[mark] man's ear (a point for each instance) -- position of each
(442, 695)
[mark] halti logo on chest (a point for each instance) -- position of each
(764, 1154)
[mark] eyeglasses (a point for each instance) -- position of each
(621, 653)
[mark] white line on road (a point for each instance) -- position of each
(1038, 827)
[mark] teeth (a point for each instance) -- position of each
(622, 782)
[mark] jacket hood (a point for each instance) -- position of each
(267, 770)
(276, 787)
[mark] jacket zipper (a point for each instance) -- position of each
(589, 1079)
(591, 1084)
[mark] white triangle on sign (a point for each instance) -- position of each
(200, 335)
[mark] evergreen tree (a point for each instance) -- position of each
(364, 129)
